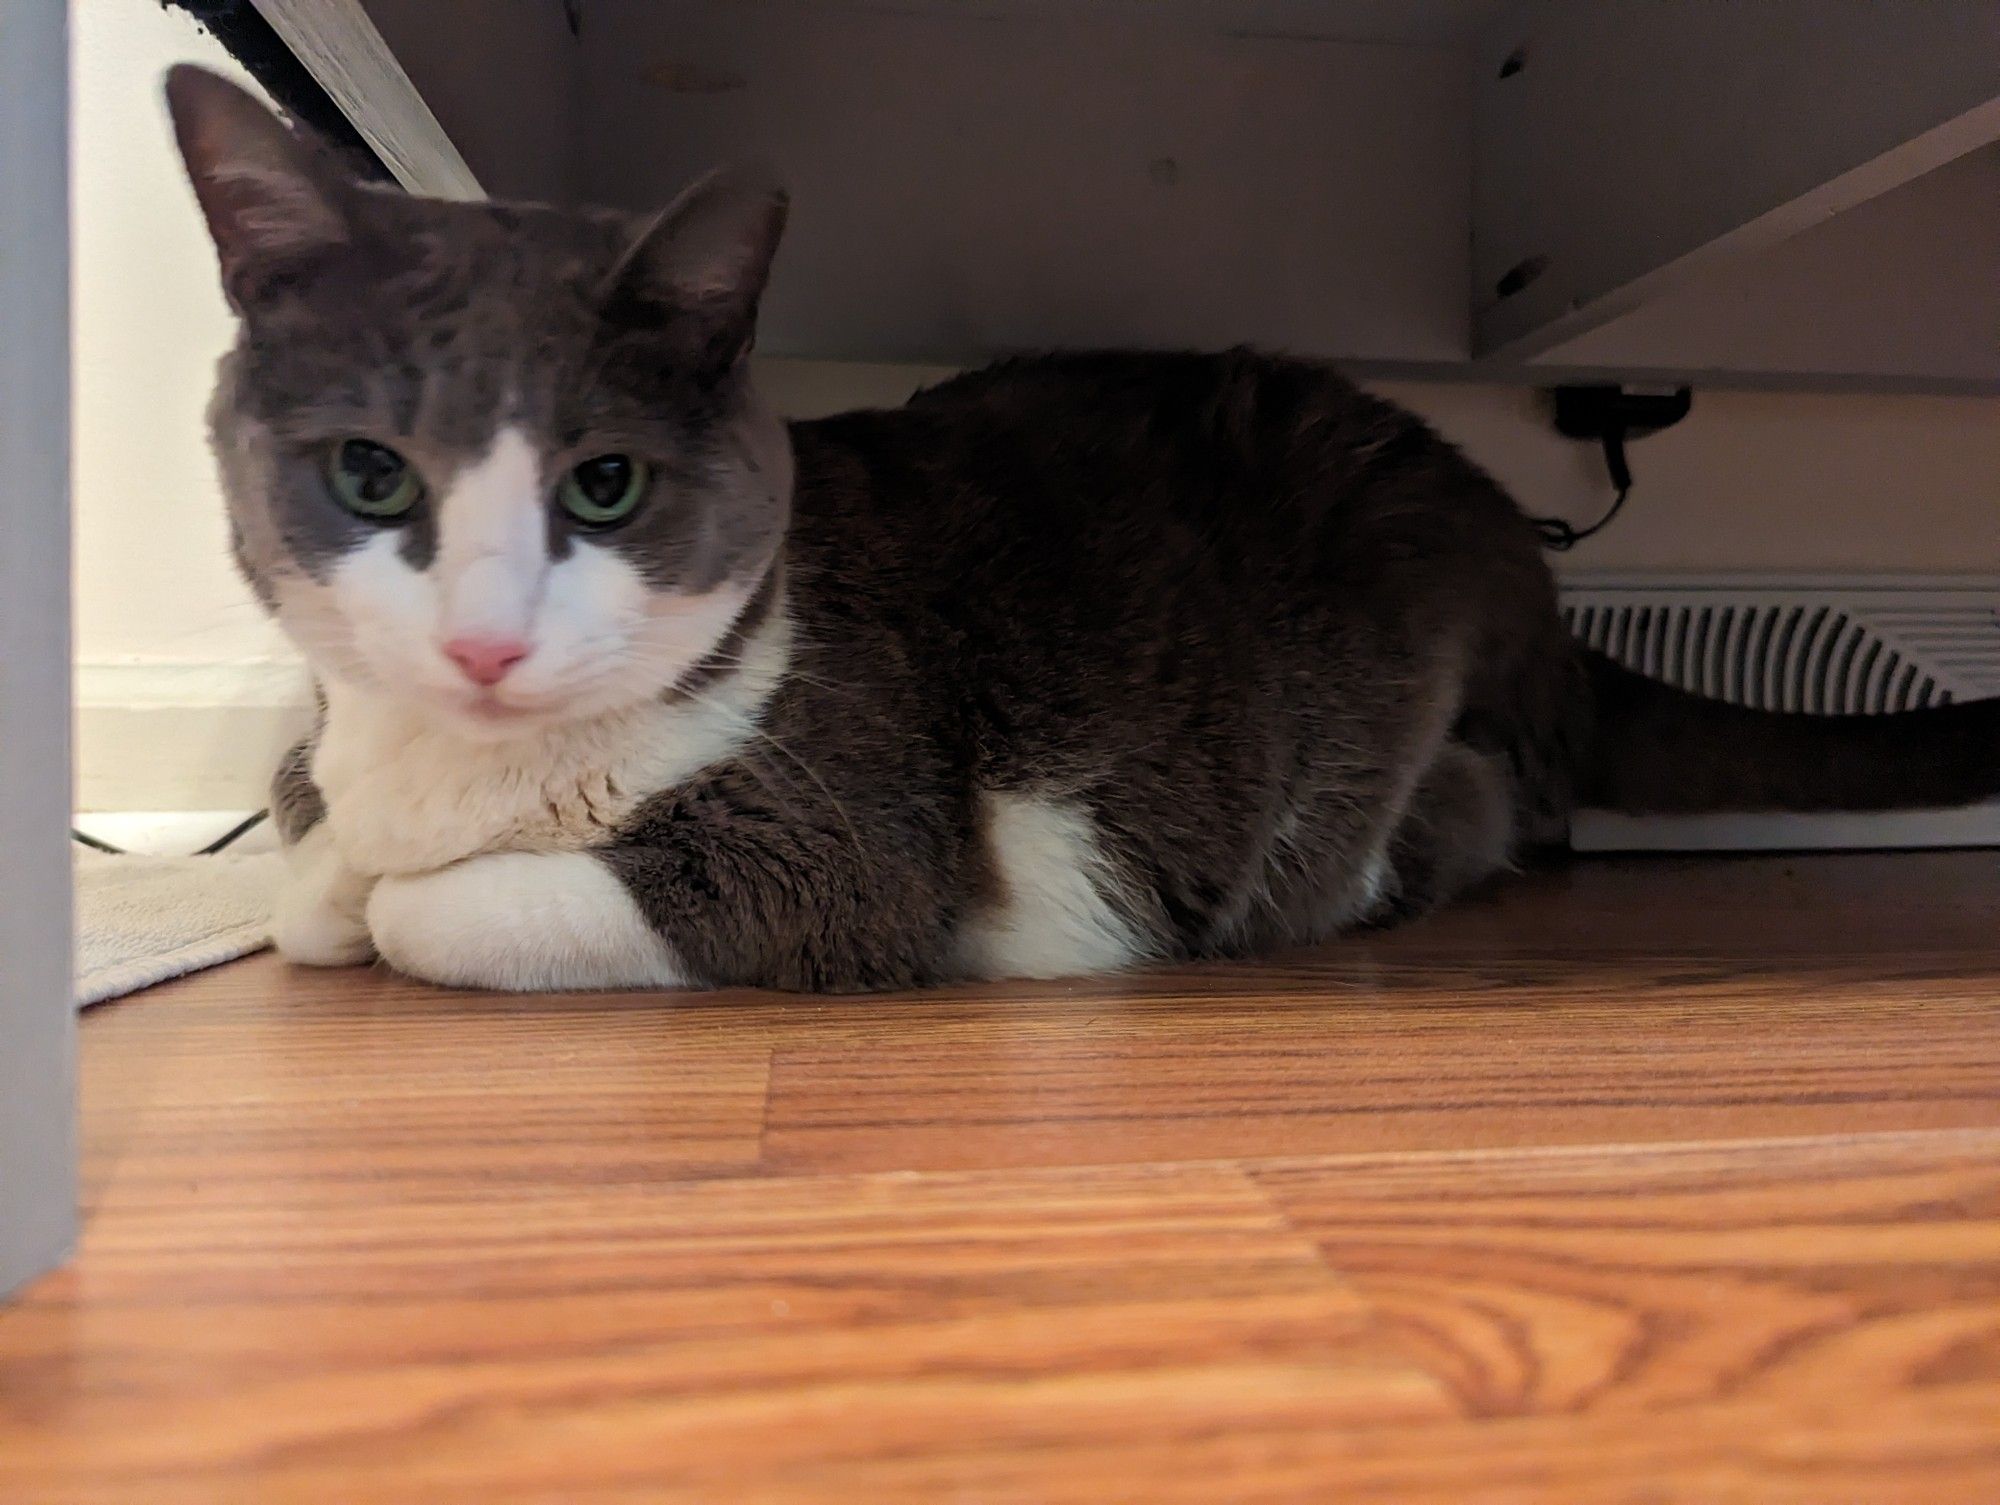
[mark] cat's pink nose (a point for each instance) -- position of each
(485, 660)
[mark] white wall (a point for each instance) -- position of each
(186, 694)
(1811, 483)
(170, 647)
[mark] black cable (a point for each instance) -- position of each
(249, 823)
(227, 838)
(1561, 535)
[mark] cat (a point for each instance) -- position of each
(1071, 664)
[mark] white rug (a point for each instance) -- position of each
(141, 920)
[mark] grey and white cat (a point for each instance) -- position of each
(1072, 663)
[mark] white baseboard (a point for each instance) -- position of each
(185, 736)
(1604, 831)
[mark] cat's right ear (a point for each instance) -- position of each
(702, 263)
(273, 200)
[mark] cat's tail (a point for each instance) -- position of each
(1656, 750)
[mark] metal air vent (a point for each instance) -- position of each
(1824, 646)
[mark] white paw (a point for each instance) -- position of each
(317, 920)
(520, 922)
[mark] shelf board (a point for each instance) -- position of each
(1621, 150)
(1692, 185)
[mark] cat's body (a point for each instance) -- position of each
(1164, 682)
(1071, 663)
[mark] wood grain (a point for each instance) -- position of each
(1648, 1181)
(1612, 1002)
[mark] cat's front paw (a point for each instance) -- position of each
(520, 922)
(319, 920)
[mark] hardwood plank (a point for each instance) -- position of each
(692, 1337)
(1566, 1196)
(1617, 1001)
(1758, 1321)
(1781, 1320)
(363, 1085)
(1594, 1280)
(1931, 1449)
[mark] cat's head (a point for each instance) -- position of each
(501, 462)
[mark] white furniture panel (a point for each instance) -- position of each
(1666, 188)
(965, 183)
(1621, 149)
(1902, 291)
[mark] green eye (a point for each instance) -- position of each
(371, 480)
(603, 491)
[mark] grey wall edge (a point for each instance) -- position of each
(37, 1021)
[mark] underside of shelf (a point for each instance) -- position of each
(1622, 151)
(1771, 193)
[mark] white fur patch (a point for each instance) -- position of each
(317, 920)
(1052, 919)
(406, 793)
(492, 548)
(520, 922)
(1373, 885)
(594, 600)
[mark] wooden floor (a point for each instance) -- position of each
(1651, 1181)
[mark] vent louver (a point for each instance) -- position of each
(1840, 647)
(1821, 646)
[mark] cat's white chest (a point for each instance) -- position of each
(406, 796)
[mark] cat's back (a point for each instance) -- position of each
(1138, 418)
(1096, 457)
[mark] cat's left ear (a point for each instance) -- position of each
(273, 200)
(706, 258)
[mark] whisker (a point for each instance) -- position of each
(746, 725)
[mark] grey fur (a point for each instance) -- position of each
(1209, 597)
(296, 806)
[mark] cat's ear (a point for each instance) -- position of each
(704, 260)
(273, 200)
